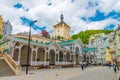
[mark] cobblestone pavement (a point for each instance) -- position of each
(97, 74)
(91, 73)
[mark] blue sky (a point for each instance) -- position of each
(99, 16)
(80, 15)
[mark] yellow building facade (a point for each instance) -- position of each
(1, 25)
(62, 29)
(108, 56)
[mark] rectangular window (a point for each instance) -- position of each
(71, 48)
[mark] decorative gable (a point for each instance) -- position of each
(54, 46)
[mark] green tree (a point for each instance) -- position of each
(58, 37)
(1, 36)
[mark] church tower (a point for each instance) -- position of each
(62, 30)
(1, 25)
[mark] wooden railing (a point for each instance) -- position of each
(1, 56)
(14, 66)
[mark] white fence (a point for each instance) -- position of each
(65, 63)
(39, 63)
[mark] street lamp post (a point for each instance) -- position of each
(29, 46)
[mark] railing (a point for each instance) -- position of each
(60, 63)
(34, 63)
(39, 63)
(1, 56)
(14, 66)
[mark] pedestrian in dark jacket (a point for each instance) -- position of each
(115, 68)
(82, 65)
(109, 64)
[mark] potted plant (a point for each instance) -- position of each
(70, 60)
(60, 60)
(38, 59)
(47, 59)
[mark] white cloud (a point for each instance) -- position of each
(109, 5)
(49, 15)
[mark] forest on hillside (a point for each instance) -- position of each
(84, 35)
(0, 36)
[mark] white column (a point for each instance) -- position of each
(89, 58)
(86, 57)
(48, 53)
(12, 52)
(36, 57)
(70, 55)
(13, 45)
(45, 57)
(19, 55)
(31, 56)
(74, 58)
(58, 57)
(55, 57)
(63, 57)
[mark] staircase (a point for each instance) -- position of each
(8, 66)
(5, 69)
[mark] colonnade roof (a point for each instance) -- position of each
(4, 42)
(47, 44)
(32, 42)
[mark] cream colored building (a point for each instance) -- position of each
(1, 25)
(48, 53)
(62, 29)
(108, 56)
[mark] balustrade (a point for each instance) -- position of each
(14, 66)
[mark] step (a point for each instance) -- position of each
(5, 69)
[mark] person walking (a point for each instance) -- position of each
(109, 64)
(82, 65)
(115, 67)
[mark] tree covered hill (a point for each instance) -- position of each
(0, 36)
(84, 35)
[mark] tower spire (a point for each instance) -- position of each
(61, 18)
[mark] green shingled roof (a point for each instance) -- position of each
(66, 42)
(4, 42)
(48, 43)
(32, 42)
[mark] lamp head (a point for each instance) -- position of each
(34, 21)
